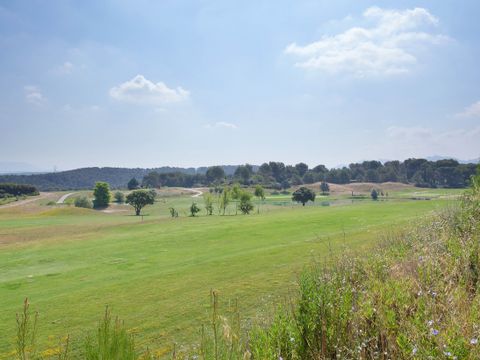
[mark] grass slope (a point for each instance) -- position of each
(156, 274)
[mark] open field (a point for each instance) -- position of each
(156, 272)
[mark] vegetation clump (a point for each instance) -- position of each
(119, 197)
(83, 202)
(11, 189)
(324, 187)
(133, 184)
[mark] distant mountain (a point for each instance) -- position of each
(13, 167)
(85, 178)
(473, 161)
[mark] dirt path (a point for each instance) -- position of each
(196, 192)
(26, 201)
(63, 198)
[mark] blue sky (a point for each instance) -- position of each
(191, 83)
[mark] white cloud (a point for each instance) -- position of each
(65, 68)
(388, 47)
(221, 124)
(470, 111)
(140, 90)
(34, 96)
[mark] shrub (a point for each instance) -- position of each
(83, 202)
(374, 194)
(110, 341)
(119, 197)
(245, 202)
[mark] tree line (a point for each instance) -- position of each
(276, 175)
(10, 190)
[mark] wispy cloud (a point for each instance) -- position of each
(388, 47)
(34, 96)
(470, 111)
(140, 90)
(221, 124)
(422, 141)
(65, 68)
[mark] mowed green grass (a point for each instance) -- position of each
(156, 274)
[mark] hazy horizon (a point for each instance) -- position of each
(187, 84)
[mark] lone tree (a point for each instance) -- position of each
(133, 184)
(194, 209)
(303, 195)
(224, 199)
(324, 187)
(259, 192)
(235, 194)
(245, 203)
(139, 199)
(208, 199)
(101, 192)
(374, 194)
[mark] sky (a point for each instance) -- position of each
(197, 83)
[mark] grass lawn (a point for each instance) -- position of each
(156, 274)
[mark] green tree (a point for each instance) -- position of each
(215, 174)
(374, 194)
(101, 193)
(208, 199)
(224, 199)
(153, 192)
(139, 199)
(244, 172)
(245, 202)
(194, 209)
(119, 197)
(303, 195)
(133, 184)
(259, 192)
(324, 187)
(301, 168)
(235, 194)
